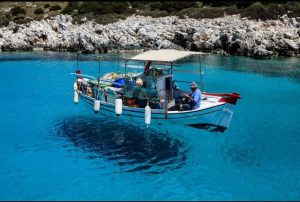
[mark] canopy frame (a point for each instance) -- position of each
(164, 55)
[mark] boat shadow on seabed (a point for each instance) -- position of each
(130, 147)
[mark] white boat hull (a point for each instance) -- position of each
(219, 115)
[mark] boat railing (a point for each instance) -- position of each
(103, 80)
(83, 75)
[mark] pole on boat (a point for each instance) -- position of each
(118, 100)
(76, 99)
(97, 100)
(98, 73)
(201, 79)
(166, 106)
(77, 60)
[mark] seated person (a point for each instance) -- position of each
(139, 91)
(193, 99)
(90, 91)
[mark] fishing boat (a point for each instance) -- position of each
(152, 96)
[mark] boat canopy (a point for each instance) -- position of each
(164, 55)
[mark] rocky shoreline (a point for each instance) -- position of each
(228, 35)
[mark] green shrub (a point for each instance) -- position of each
(266, 11)
(108, 18)
(4, 21)
(232, 10)
(222, 3)
(17, 10)
(276, 10)
(138, 4)
(199, 13)
(67, 10)
(120, 7)
(294, 7)
(70, 7)
(105, 8)
(177, 5)
(21, 20)
(101, 8)
(88, 7)
(46, 5)
(155, 5)
(256, 11)
(38, 11)
(154, 13)
(55, 8)
(243, 4)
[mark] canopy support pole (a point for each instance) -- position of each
(77, 60)
(201, 79)
(166, 106)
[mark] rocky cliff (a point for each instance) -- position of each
(228, 35)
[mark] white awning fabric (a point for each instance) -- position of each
(164, 55)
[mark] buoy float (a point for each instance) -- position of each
(96, 106)
(118, 106)
(147, 115)
(75, 85)
(75, 97)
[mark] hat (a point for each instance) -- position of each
(194, 85)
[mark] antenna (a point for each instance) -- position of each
(78, 50)
(118, 61)
(77, 60)
(201, 79)
(172, 18)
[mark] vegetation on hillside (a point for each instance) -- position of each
(110, 11)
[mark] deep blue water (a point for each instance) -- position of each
(51, 149)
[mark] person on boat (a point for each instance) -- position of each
(139, 91)
(193, 99)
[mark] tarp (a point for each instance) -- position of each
(164, 55)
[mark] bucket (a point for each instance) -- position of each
(119, 83)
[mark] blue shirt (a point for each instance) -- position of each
(196, 95)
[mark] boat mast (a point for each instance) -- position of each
(78, 51)
(77, 61)
(99, 72)
(201, 79)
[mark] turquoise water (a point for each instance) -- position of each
(51, 149)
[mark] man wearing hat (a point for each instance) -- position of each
(194, 98)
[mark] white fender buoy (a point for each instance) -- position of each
(96, 106)
(147, 115)
(75, 85)
(118, 106)
(75, 97)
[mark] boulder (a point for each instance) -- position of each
(291, 44)
(236, 47)
(180, 38)
(190, 30)
(261, 52)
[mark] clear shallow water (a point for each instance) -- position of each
(51, 149)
